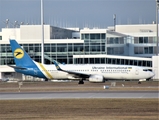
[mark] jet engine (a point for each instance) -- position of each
(96, 78)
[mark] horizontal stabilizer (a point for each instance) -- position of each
(16, 67)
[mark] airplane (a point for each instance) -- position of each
(90, 72)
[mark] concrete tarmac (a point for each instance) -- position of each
(78, 95)
(67, 90)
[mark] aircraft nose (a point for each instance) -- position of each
(152, 74)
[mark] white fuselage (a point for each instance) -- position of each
(107, 71)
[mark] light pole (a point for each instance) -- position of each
(157, 6)
(42, 34)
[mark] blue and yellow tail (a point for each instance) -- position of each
(21, 58)
(25, 65)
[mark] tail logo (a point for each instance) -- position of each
(18, 53)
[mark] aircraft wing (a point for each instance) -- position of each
(16, 67)
(77, 74)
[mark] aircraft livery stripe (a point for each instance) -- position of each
(47, 73)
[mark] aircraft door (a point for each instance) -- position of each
(137, 71)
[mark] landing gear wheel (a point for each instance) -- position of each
(80, 82)
(139, 82)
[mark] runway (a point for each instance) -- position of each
(78, 95)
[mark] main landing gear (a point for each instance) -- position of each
(81, 81)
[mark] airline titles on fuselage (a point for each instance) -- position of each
(109, 69)
(94, 67)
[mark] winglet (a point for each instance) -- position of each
(57, 66)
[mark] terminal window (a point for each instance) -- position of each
(103, 36)
(143, 40)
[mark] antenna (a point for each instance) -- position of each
(22, 23)
(15, 24)
(7, 21)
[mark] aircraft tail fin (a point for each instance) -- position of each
(21, 58)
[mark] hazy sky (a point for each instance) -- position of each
(78, 13)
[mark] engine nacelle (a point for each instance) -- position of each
(96, 78)
(141, 80)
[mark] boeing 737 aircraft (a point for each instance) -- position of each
(91, 72)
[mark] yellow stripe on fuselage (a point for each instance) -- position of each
(47, 73)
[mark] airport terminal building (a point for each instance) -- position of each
(127, 45)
